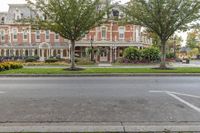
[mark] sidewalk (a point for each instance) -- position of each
(192, 64)
(118, 127)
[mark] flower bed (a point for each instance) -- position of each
(10, 65)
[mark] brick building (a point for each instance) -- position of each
(110, 39)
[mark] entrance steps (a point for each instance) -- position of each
(105, 65)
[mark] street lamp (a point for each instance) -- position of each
(175, 47)
(91, 45)
(114, 52)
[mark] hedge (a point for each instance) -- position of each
(10, 65)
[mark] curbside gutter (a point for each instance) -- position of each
(102, 75)
(118, 127)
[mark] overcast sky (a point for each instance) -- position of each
(4, 7)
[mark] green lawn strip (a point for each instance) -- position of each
(98, 71)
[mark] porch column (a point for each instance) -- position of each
(115, 54)
(24, 52)
(5, 51)
(61, 53)
(52, 50)
(111, 54)
(14, 52)
(9, 53)
(38, 52)
(33, 52)
(69, 52)
(42, 53)
(29, 52)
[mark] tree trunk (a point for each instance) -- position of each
(72, 55)
(163, 55)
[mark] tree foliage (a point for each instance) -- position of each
(151, 54)
(72, 19)
(193, 39)
(132, 54)
(163, 17)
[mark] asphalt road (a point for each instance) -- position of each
(103, 99)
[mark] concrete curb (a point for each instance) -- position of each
(97, 127)
(101, 75)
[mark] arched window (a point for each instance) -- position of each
(3, 20)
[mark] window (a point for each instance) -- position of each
(2, 36)
(121, 33)
(47, 34)
(15, 34)
(103, 33)
(2, 20)
(56, 36)
(37, 34)
(25, 34)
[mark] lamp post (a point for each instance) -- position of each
(114, 52)
(175, 47)
(91, 45)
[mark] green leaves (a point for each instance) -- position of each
(132, 53)
(72, 19)
(163, 17)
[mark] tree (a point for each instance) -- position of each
(163, 17)
(192, 39)
(174, 44)
(72, 19)
(194, 52)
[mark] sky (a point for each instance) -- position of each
(4, 7)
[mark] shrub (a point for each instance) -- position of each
(10, 65)
(132, 54)
(150, 54)
(84, 61)
(51, 60)
(170, 56)
(31, 58)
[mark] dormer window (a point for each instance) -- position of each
(17, 14)
(3, 20)
(22, 15)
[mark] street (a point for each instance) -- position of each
(100, 99)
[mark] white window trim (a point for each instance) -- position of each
(37, 40)
(120, 32)
(15, 39)
(26, 35)
(57, 39)
(46, 35)
(4, 33)
(105, 38)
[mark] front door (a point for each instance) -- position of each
(104, 56)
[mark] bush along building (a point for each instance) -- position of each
(107, 41)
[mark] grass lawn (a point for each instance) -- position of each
(98, 70)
